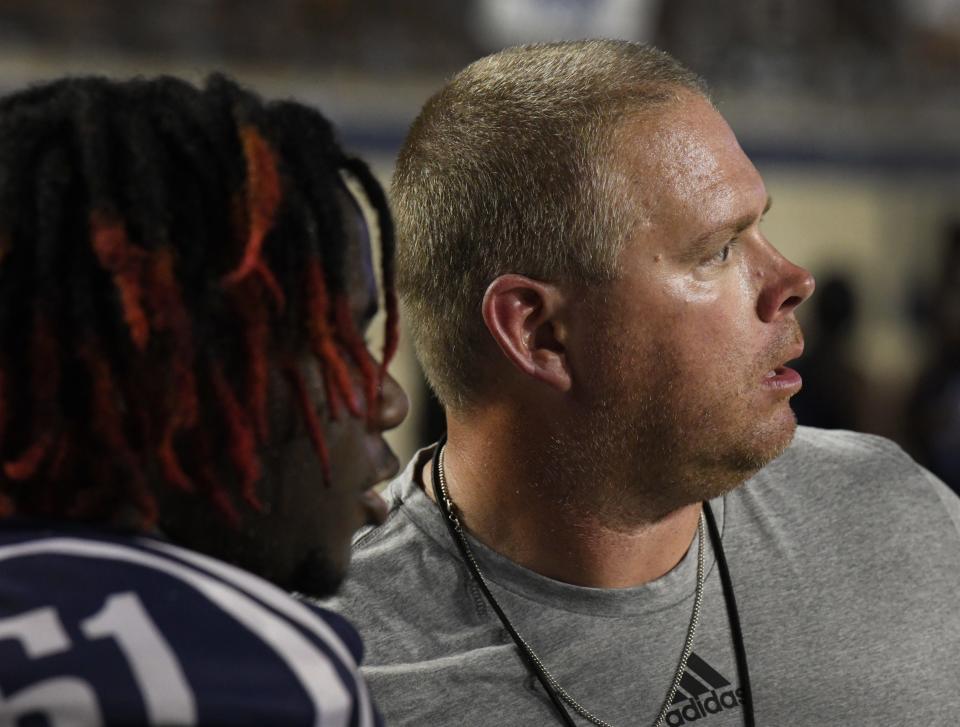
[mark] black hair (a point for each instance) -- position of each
(161, 247)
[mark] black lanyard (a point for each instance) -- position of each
(537, 670)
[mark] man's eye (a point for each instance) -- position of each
(723, 254)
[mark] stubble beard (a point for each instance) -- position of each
(650, 442)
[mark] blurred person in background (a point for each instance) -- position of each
(187, 406)
(624, 524)
(834, 388)
(933, 416)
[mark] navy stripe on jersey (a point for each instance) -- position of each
(102, 629)
(332, 631)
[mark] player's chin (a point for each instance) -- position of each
(318, 575)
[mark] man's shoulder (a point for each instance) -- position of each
(852, 471)
(843, 445)
(816, 454)
(406, 529)
(413, 530)
(399, 572)
(387, 562)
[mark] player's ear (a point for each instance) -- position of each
(525, 318)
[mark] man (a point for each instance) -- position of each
(184, 285)
(629, 528)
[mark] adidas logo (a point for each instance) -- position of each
(703, 691)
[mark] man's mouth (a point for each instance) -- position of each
(783, 377)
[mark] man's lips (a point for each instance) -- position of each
(782, 377)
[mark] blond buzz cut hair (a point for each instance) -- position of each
(509, 169)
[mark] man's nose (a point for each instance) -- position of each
(784, 286)
(394, 404)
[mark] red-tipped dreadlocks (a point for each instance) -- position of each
(324, 344)
(256, 341)
(359, 353)
(183, 244)
(109, 424)
(315, 430)
(243, 442)
(169, 315)
(124, 262)
(27, 464)
(45, 381)
(263, 198)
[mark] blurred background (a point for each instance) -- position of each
(849, 108)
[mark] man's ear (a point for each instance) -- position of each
(524, 316)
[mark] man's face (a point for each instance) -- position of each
(687, 347)
(311, 525)
(301, 540)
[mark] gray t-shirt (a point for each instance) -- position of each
(845, 559)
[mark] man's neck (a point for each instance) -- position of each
(531, 524)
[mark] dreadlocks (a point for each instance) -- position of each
(161, 247)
